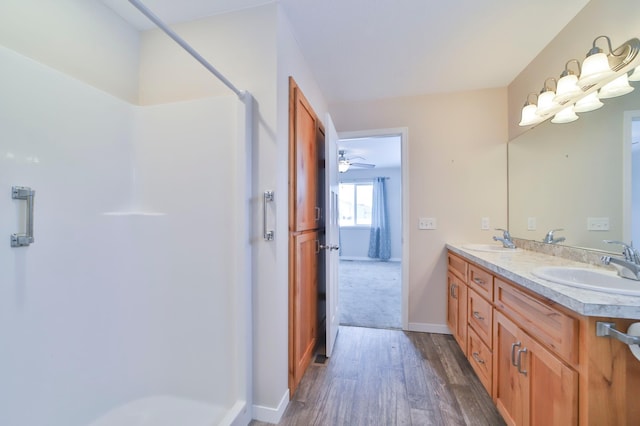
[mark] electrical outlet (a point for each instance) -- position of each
(531, 224)
(427, 223)
(597, 224)
(484, 224)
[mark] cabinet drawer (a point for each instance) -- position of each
(481, 359)
(480, 316)
(458, 266)
(552, 327)
(481, 281)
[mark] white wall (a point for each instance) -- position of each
(83, 39)
(354, 241)
(457, 174)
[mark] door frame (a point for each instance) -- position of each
(627, 167)
(403, 132)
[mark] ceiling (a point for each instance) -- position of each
(372, 49)
(366, 49)
(382, 151)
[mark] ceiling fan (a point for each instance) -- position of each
(345, 163)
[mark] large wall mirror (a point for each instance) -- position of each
(579, 177)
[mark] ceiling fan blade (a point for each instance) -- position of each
(362, 165)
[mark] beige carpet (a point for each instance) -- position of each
(369, 294)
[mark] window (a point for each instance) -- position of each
(355, 203)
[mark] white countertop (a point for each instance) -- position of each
(517, 266)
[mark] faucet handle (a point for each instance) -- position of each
(505, 233)
(629, 252)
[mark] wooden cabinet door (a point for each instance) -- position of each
(303, 304)
(304, 212)
(531, 385)
(509, 386)
(457, 309)
(553, 387)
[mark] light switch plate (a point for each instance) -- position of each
(427, 223)
(485, 225)
(531, 223)
(597, 224)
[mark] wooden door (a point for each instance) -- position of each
(553, 387)
(304, 212)
(509, 387)
(457, 310)
(302, 304)
(306, 140)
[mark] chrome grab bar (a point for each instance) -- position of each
(24, 193)
(266, 198)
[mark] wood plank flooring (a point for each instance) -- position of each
(391, 377)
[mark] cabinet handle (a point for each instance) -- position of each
(478, 281)
(476, 356)
(317, 214)
(453, 291)
(513, 355)
(477, 316)
(519, 361)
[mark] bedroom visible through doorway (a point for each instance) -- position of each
(370, 218)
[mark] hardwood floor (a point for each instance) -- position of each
(391, 377)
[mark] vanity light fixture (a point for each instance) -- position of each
(343, 166)
(566, 115)
(618, 87)
(567, 87)
(607, 73)
(596, 66)
(588, 103)
(546, 101)
(529, 116)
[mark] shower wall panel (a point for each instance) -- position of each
(128, 290)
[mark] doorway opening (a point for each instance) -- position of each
(372, 209)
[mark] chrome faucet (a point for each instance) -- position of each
(506, 239)
(549, 237)
(629, 267)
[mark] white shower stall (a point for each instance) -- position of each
(132, 305)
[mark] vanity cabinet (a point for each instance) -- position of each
(457, 300)
(541, 362)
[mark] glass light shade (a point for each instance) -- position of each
(618, 87)
(594, 69)
(588, 103)
(546, 102)
(635, 75)
(566, 115)
(343, 166)
(529, 116)
(567, 88)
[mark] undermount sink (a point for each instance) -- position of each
(489, 248)
(591, 279)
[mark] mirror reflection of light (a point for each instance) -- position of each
(33, 160)
(9, 156)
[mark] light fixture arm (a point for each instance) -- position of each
(595, 49)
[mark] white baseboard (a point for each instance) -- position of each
(271, 415)
(429, 328)
(368, 259)
(239, 415)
